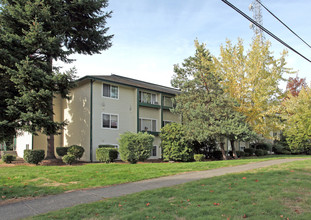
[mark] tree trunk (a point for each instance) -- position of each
(235, 156)
(222, 148)
(50, 138)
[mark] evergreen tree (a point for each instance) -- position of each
(36, 33)
(206, 110)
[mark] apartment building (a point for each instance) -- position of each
(103, 107)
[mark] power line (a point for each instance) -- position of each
(283, 23)
(264, 29)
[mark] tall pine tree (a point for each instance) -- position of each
(35, 33)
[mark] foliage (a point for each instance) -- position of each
(252, 79)
(8, 158)
(76, 151)
(135, 147)
(199, 157)
(34, 156)
(207, 112)
(69, 159)
(262, 146)
(238, 153)
(106, 154)
(249, 151)
(259, 152)
(61, 151)
(32, 35)
(217, 154)
(175, 146)
(297, 120)
(295, 85)
(280, 149)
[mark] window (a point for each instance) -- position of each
(147, 97)
(110, 91)
(168, 101)
(110, 121)
(154, 151)
(147, 124)
(166, 122)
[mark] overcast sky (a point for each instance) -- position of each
(150, 36)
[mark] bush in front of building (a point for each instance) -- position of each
(106, 154)
(199, 157)
(8, 158)
(134, 147)
(69, 159)
(34, 156)
(76, 151)
(259, 152)
(174, 145)
(61, 151)
(249, 152)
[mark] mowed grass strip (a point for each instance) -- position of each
(277, 192)
(31, 181)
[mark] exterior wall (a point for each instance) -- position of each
(23, 142)
(77, 114)
(151, 113)
(169, 116)
(125, 107)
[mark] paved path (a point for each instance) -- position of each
(55, 202)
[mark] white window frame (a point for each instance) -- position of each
(156, 151)
(153, 102)
(151, 119)
(169, 98)
(109, 97)
(110, 128)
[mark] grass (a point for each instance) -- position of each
(31, 181)
(277, 192)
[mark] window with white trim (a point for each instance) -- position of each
(154, 151)
(168, 101)
(146, 97)
(147, 124)
(110, 91)
(110, 121)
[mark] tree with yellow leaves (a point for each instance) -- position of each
(252, 78)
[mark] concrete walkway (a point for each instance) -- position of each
(45, 204)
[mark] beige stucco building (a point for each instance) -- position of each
(103, 107)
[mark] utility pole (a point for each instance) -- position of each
(255, 7)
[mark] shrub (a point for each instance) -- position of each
(34, 156)
(280, 149)
(106, 146)
(217, 154)
(259, 152)
(199, 157)
(262, 146)
(240, 153)
(135, 147)
(61, 151)
(265, 152)
(69, 159)
(76, 151)
(174, 145)
(106, 154)
(8, 158)
(249, 151)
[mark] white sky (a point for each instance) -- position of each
(150, 36)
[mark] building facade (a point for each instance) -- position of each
(103, 107)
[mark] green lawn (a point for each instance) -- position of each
(277, 192)
(30, 181)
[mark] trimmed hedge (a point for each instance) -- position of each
(69, 159)
(61, 151)
(249, 152)
(34, 156)
(8, 158)
(135, 147)
(199, 157)
(107, 155)
(76, 151)
(217, 154)
(259, 152)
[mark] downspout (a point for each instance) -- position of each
(91, 121)
(137, 110)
